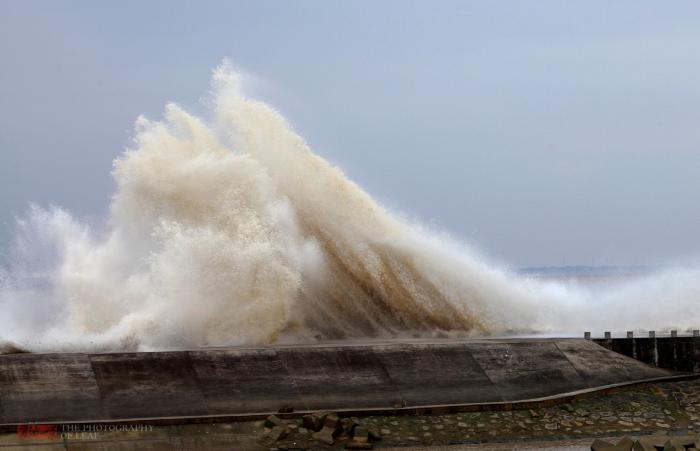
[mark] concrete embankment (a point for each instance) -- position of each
(340, 377)
(675, 353)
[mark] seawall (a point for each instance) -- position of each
(670, 352)
(343, 377)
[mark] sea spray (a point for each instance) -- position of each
(230, 231)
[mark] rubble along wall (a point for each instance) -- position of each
(120, 386)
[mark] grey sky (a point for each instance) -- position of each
(540, 132)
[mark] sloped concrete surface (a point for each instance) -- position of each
(119, 386)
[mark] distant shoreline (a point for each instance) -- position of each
(587, 271)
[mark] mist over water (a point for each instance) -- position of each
(229, 230)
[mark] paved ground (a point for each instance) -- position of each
(665, 408)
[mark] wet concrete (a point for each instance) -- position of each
(676, 353)
(120, 386)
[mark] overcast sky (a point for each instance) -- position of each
(539, 132)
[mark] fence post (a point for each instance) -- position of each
(630, 336)
(674, 343)
(696, 352)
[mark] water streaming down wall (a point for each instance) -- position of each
(229, 230)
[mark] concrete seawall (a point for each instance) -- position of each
(251, 381)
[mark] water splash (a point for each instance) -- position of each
(231, 231)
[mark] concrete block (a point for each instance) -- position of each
(625, 444)
(678, 443)
(274, 421)
(325, 435)
(602, 445)
(349, 425)
(313, 421)
(656, 440)
(683, 440)
(361, 435)
(643, 445)
(374, 435)
(332, 422)
(278, 433)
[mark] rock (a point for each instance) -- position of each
(677, 444)
(643, 445)
(331, 428)
(361, 434)
(386, 431)
(273, 421)
(332, 422)
(313, 421)
(602, 445)
(685, 440)
(277, 433)
(625, 444)
(349, 425)
(325, 435)
(625, 423)
(374, 435)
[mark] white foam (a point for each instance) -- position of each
(231, 231)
